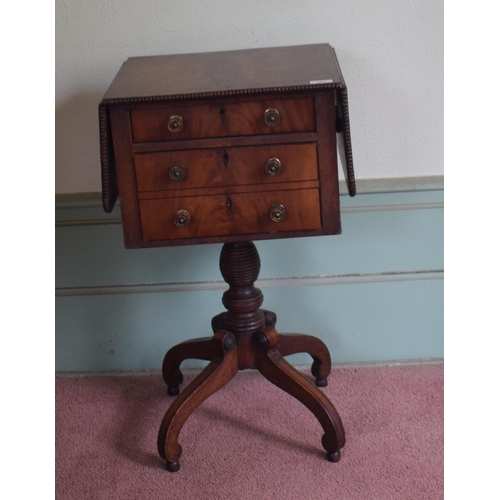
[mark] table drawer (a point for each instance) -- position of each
(220, 215)
(270, 116)
(225, 167)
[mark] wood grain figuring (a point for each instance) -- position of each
(223, 119)
(209, 217)
(225, 167)
(227, 190)
(250, 212)
(246, 213)
(225, 142)
(177, 74)
(327, 160)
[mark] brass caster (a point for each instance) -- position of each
(333, 456)
(321, 382)
(173, 466)
(173, 390)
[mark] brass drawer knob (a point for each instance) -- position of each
(181, 218)
(175, 123)
(277, 213)
(177, 173)
(272, 117)
(273, 166)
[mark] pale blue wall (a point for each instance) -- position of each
(373, 293)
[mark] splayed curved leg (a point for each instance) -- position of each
(271, 364)
(218, 373)
(292, 343)
(202, 348)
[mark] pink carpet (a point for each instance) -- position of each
(253, 441)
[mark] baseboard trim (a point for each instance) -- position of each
(343, 210)
(88, 222)
(392, 208)
(302, 367)
(363, 186)
(86, 208)
(293, 281)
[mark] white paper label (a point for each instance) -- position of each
(316, 82)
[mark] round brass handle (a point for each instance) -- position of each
(272, 117)
(181, 218)
(175, 123)
(277, 213)
(177, 172)
(273, 166)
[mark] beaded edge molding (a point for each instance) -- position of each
(108, 172)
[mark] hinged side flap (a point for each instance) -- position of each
(344, 144)
(108, 169)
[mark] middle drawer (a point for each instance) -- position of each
(188, 169)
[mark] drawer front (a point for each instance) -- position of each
(251, 212)
(208, 216)
(248, 213)
(179, 170)
(176, 122)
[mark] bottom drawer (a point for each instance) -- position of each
(221, 215)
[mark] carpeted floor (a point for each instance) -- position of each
(253, 441)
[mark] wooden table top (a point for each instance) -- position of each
(236, 70)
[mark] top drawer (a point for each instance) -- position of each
(270, 116)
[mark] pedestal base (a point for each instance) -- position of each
(245, 337)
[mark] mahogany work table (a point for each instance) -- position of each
(231, 147)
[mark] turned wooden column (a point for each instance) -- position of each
(240, 267)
